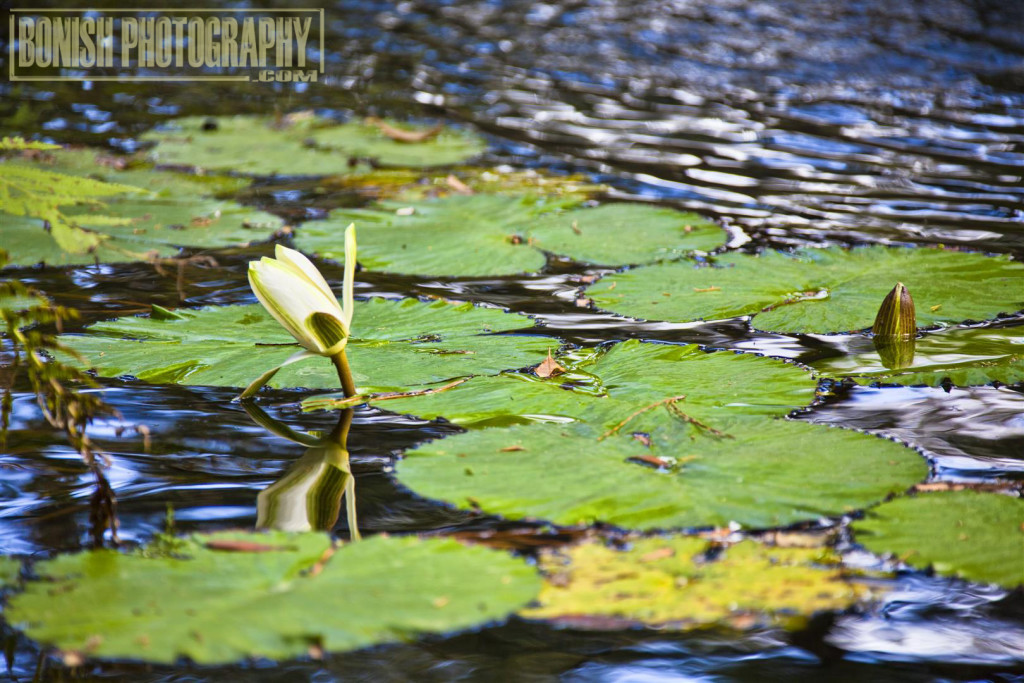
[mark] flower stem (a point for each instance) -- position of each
(340, 361)
(340, 436)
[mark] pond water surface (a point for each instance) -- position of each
(792, 123)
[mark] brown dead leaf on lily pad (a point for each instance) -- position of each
(400, 135)
(457, 185)
(651, 460)
(548, 368)
(231, 545)
(643, 438)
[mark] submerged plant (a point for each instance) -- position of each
(63, 392)
(297, 295)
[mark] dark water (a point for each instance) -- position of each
(798, 122)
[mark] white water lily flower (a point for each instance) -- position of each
(293, 291)
(297, 295)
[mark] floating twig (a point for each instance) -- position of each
(389, 396)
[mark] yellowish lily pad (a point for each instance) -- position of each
(673, 582)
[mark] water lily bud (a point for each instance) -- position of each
(297, 295)
(896, 318)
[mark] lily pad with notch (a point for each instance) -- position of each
(818, 291)
(225, 597)
(664, 469)
(478, 235)
(396, 345)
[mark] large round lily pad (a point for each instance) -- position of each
(501, 235)
(628, 378)
(670, 582)
(225, 597)
(962, 357)
(395, 345)
(818, 291)
(166, 211)
(674, 474)
(976, 536)
(299, 145)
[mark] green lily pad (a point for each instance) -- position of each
(818, 291)
(468, 236)
(457, 236)
(365, 141)
(32, 195)
(10, 570)
(975, 536)
(755, 471)
(624, 234)
(298, 146)
(395, 345)
(963, 357)
(225, 597)
(667, 582)
(168, 211)
(629, 377)
(490, 401)
(97, 165)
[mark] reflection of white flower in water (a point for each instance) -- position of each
(309, 495)
(297, 295)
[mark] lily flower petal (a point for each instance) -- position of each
(251, 390)
(304, 266)
(347, 296)
(292, 298)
